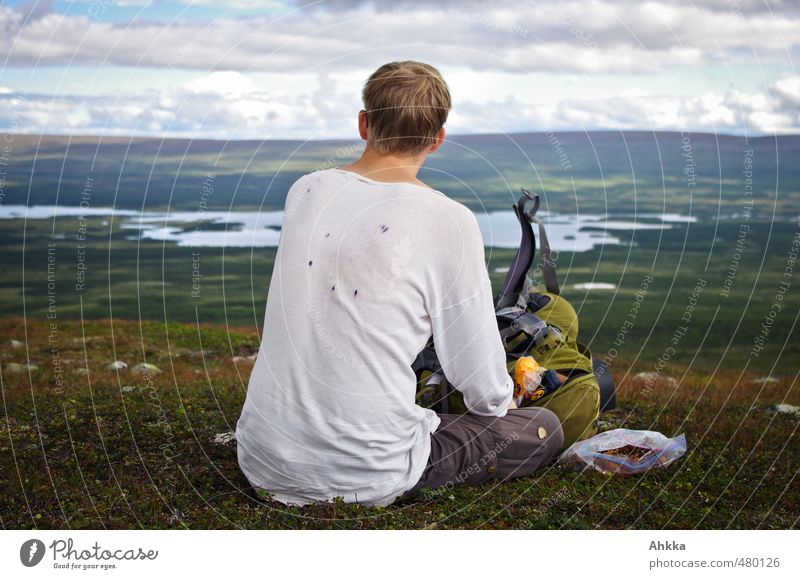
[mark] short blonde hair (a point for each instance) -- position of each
(406, 104)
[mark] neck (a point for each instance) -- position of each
(389, 168)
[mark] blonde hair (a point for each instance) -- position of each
(406, 104)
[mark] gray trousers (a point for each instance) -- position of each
(471, 450)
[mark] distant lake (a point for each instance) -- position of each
(570, 233)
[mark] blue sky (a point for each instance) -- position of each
(166, 12)
(286, 69)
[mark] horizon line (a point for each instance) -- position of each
(4, 131)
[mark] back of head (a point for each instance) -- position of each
(407, 104)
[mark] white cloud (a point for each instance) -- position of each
(223, 104)
(787, 88)
(202, 109)
(239, 4)
(221, 82)
(589, 37)
(491, 49)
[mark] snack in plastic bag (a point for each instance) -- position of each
(527, 376)
(625, 452)
(532, 381)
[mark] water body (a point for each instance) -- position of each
(571, 233)
(595, 285)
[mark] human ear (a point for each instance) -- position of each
(438, 142)
(363, 123)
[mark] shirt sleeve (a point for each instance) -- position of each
(465, 330)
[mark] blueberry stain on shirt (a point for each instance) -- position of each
(310, 263)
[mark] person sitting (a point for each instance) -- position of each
(371, 263)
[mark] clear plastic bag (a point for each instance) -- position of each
(632, 451)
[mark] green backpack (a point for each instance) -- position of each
(539, 324)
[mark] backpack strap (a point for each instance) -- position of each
(547, 264)
(515, 280)
(436, 386)
(521, 330)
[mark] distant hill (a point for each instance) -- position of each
(589, 172)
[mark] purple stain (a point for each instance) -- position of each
(333, 287)
(327, 235)
(310, 263)
(355, 293)
(383, 228)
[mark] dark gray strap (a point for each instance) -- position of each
(548, 265)
(445, 393)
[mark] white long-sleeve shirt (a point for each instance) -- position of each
(365, 273)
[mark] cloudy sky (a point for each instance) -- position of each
(294, 69)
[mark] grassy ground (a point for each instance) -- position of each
(152, 280)
(86, 447)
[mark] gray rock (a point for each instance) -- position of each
(200, 353)
(655, 376)
(146, 369)
(766, 380)
(787, 409)
(117, 365)
(14, 368)
(224, 438)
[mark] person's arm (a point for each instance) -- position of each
(465, 330)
